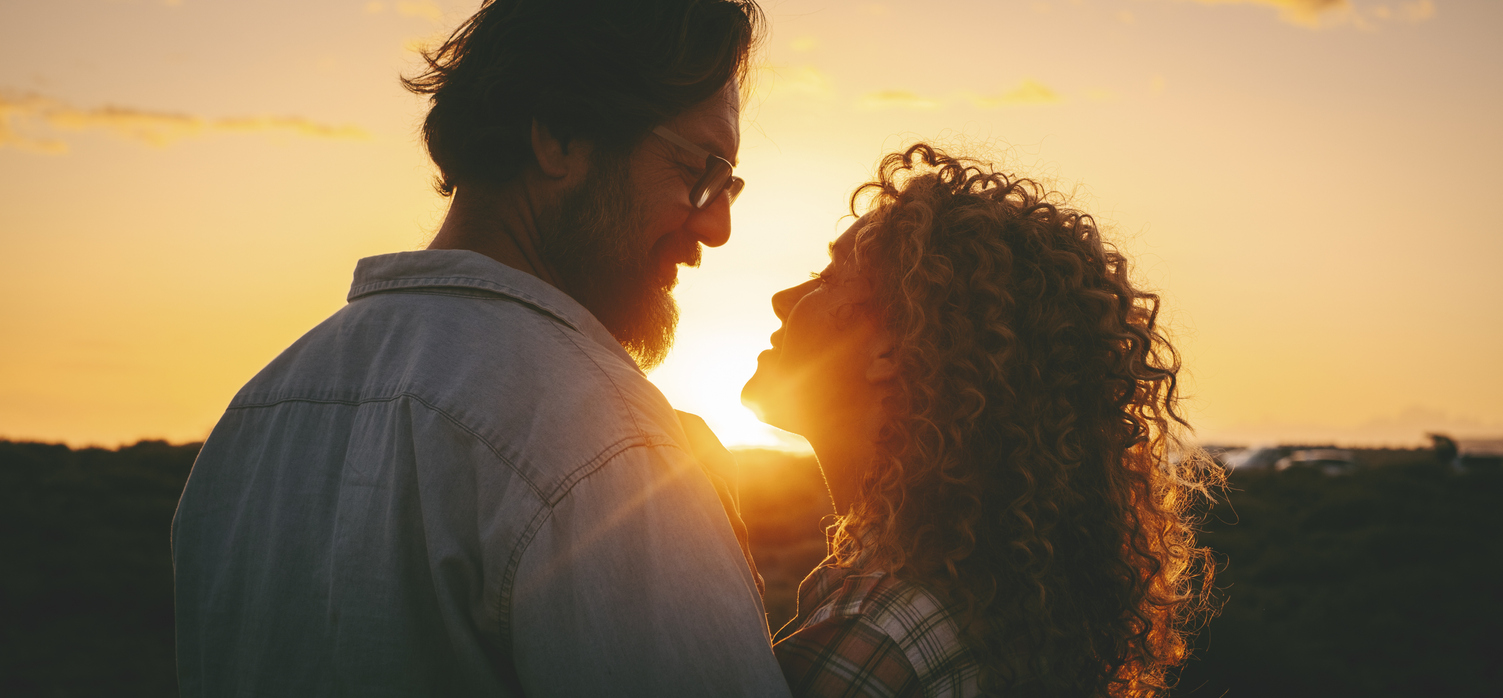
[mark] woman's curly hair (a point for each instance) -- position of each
(1028, 469)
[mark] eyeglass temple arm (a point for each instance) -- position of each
(681, 142)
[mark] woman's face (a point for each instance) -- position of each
(816, 372)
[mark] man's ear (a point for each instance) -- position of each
(882, 364)
(556, 158)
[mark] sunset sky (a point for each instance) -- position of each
(186, 185)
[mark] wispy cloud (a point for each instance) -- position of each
(805, 80)
(1417, 11)
(425, 9)
(897, 99)
(422, 8)
(1316, 13)
(24, 115)
(1303, 12)
(1029, 92)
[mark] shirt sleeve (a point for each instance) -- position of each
(635, 586)
(846, 657)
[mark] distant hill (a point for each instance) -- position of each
(86, 586)
(1385, 582)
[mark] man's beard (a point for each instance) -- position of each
(594, 240)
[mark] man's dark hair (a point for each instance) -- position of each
(606, 71)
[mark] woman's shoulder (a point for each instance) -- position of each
(874, 613)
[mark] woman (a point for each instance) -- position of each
(993, 406)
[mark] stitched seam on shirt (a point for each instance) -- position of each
(624, 405)
(589, 467)
(487, 285)
(466, 283)
(508, 578)
(462, 426)
(465, 292)
(420, 281)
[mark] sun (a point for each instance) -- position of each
(705, 377)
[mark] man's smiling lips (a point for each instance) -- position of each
(675, 253)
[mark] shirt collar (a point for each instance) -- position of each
(401, 271)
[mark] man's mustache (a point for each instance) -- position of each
(681, 249)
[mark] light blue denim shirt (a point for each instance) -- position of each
(459, 485)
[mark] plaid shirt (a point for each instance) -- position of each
(871, 634)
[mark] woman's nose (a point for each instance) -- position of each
(784, 300)
(711, 225)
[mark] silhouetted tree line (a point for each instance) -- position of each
(1387, 582)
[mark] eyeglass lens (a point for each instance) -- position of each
(717, 179)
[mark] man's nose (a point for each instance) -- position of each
(711, 225)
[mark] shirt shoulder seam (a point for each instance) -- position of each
(625, 406)
(410, 284)
(537, 491)
(567, 484)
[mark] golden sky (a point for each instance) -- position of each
(185, 186)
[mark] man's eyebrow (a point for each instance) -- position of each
(719, 150)
(721, 144)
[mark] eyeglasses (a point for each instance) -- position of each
(717, 177)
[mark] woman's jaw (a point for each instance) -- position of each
(817, 380)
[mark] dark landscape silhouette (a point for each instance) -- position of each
(1384, 581)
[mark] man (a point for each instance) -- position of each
(461, 483)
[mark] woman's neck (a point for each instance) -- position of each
(845, 452)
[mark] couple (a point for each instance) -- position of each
(462, 483)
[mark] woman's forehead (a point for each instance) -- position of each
(843, 245)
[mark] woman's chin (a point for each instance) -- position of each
(755, 396)
(751, 397)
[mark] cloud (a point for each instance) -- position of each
(1417, 11)
(420, 8)
(10, 110)
(897, 99)
(1317, 13)
(805, 80)
(1303, 12)
(1029, 92)
(163, 3)
(424, 9)
(153, 128)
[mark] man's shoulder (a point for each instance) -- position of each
(541, 394)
